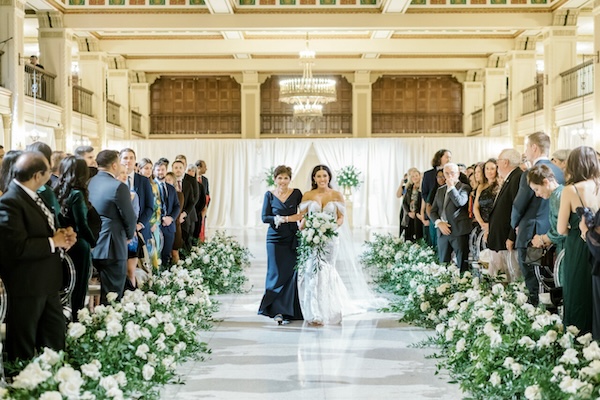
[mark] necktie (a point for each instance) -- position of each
(49, 215)
(163, 198)
(129, 183)
(179, 185)
(443, 216)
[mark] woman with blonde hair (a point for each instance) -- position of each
(411, 204)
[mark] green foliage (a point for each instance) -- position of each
(348, 176)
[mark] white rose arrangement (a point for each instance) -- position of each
(319, 230)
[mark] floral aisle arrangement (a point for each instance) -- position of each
(222, 261)
(492, 342)
(348, 176)
(126, 349)
(319, 230)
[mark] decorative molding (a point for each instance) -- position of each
(50, 19)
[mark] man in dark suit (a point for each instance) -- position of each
(169, 211)
(499, 229)
(529, 214)
(111, 200)
(189, 205)
(142, 187)
(450, 213)
(192, 217)
(202, 168)
(45, 191)
(31, 266)
(428, 185)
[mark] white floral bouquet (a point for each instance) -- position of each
(319, 230)
(348, 176)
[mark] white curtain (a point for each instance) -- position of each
(236, 169)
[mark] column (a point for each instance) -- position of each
(494, 89)
(596, 101)
(56, 45)
(93, 71)
(472, 99)
(12, 15)
(361, 103)
(139, 100)
(118, 91)
(560, 54)
(522, 73)
(250, 83)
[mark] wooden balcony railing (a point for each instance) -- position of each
(501, 111)
(113, 112)
(39, 82)
(417, 123)
(477, 120)
(577, 81)
(196, 124)
(533, 98)
(82, 100)
(136, 121)
(339, 124)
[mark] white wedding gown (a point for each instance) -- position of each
(338, 288)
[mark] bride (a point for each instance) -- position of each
(331, 287)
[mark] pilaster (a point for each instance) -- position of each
(250, 91)
(472, 98)
(93, 71)
(494, 83)
(362, 97)
(521, 68)
(118, 91)
(139, 100)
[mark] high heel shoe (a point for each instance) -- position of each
(279, 319)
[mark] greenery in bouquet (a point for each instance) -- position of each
(222, 261)
(314, 239)
(348, 176)
(268, 176)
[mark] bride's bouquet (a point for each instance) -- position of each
(319, 229)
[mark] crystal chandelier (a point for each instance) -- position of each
(307, 94)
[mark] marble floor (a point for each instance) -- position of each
(368, 356)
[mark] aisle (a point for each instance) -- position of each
(367, 357)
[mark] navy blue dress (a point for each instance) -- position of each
(281, 290)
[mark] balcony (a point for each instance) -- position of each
(40, 82)
(477, 120)
(196, 124)
(136, 122)
(577, 81)
(113, 112)
(82, 100)
(533, 98)
(501, 111)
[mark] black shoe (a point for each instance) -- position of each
(279, 319)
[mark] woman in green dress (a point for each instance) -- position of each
(581, 191)
(72, 195)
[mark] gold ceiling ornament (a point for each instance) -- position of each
(308, 94)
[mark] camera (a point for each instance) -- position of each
(587, 215)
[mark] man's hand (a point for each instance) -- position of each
(182, 217)
(139, 227)
(510, 245)
(444, 227)
(65, 238)
(167, 221)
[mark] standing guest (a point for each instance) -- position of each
(33, 60)
(463, 169)
(543, 183)
(46, 192)
(428, 186)
(411, 205)
(451, 217)
(581, 192)
(201, 164)
(192, 170)
(486, 194)
(134, 246)
(6, 175)
(590, 229)
(87, 154)
(111, 200)
(470, 170)
(559, 158)
(280, 211)
(188, 206)
(399, 193)
(1, 153)
(31, 266)
(440, 180)
(169, 212)
(191, 213)
(55, 159)
(155, 243)
(178, 239)
(500, 230)
(72, 195)
(530, 213)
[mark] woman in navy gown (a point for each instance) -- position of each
(280, 211)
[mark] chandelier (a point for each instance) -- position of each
(307, 94)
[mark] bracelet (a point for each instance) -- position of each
(287, 219)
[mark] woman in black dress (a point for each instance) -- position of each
(486, 194)
(411, 204)
(280, 211)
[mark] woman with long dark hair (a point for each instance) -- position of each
(6, 173)
(72, 195)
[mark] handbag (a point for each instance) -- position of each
(539, 256)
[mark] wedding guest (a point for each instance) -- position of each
(87, 154)
(411, 205)
(428, 186)
(45, 191)
(55, 159)
(581, 191)
(31, 266)
(529, 214)
(280, 211)
(470, 170)
(450, 214)
(154, 244)
(486, 194)
(171, 179)
(192, 170)
(188, 183)
(500, 230)
(559, 158)
(440, 181)
(72, 195)
(543, 183)
(590, 229)
(202, 168)
(111, 200)
(6, 175)
(399, 193)
(169, 211)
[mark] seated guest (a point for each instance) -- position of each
(31, 266)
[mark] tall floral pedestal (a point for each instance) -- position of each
(349, 206)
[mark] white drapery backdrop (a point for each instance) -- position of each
(236, 169)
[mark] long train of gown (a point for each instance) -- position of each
(336, 288)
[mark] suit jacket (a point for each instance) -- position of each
(205, 183)
(201, 199)
(49, 198)
(189, 205)
(111, 200)
(457, 208)
(500, 229)
(143, 189)
(530, 213)
(172, 208)
(28, 267)
(193, 183)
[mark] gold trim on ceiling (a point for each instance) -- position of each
(295, 56)
(495, 9)
(303, 37)
(161, 37)
(453, 35)
(181, 57)
(482, 55)
(145, 10)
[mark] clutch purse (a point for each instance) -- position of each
(539, 256)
